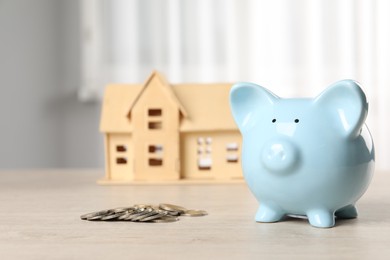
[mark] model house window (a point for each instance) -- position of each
(155, 118)
(155, 148)
(121, 148)
(232, 152)
(121, 160)
(155, 155)
(155, 125)
(205, 163)
(204, 151)
(232, 147)
(232, 158)
(155, 162)
(154, 112)
(121, 152)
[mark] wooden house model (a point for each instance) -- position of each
(161, 132)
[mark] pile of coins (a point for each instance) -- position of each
(162, 213)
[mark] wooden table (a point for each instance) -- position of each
(40, 220)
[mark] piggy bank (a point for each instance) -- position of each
(310, 157)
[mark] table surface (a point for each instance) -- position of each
(40, 219)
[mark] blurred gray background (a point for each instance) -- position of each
(57, 55)
(43, 124)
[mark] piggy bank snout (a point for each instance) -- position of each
(279, 155)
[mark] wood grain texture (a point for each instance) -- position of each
(40, 220)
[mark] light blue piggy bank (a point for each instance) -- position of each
(311, 157)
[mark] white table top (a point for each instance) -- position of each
(40, 219)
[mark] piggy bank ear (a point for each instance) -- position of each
(248, 103)
(345, 105)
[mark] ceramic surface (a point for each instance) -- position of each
(303, 156)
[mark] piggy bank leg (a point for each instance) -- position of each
(321, 218)
(268, 213)
(347, 212)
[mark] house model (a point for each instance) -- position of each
(163, 132)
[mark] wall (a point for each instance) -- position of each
(43, 125)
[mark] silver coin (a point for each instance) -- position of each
(174, 213)
(85, 216)
(141, 217)
(171, 207)
(136, 215)
(153, 217)
(194, 213)
(163, 212)
(126, 215)
(142, 206)
(113, 216)
(121, 209)
(130, 216)
(95, 217)
(95, 214)
(165, 219)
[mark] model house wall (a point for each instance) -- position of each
(162, 132)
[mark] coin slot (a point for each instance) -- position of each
(121, 148)
(155, 112)
(121, 160)
(155, 162)
(155, 125)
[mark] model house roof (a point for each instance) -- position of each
(204, 107)
(163, 83)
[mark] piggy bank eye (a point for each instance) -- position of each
(296, 120)
(273, 120)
